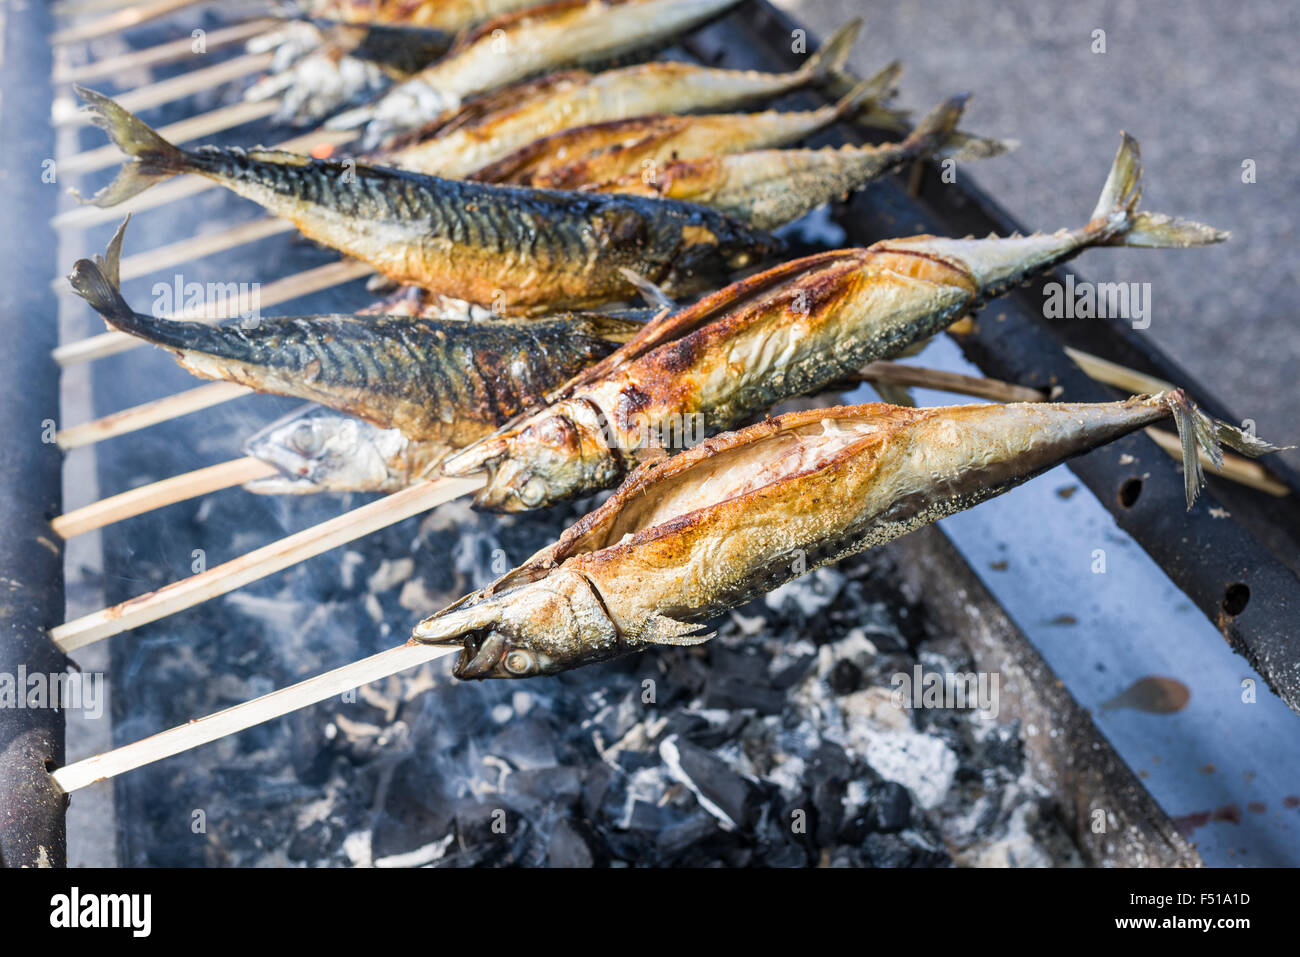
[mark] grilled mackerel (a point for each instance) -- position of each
(490, 127)
(519, 251)
(690, 537)
(784, 332)
(529, 43)
(452, 381)
(768, 188)
(602, 151)
(316, 449)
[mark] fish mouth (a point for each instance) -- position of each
(480, 656)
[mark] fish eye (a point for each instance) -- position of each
(533, 492)
(306, 439)
(520, 662)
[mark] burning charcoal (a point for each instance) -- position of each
(597, 783)
(720, 790)
(317, 841)
(906, 849)
(807, 597)
(845, 677)
(846, 857)
(718, 729)
(673, 841)
(891, 807)
(567, 847)
(490, 834)
(790, 675)
(526, 742)
(558, 785)
(738, 692)
(687, 672)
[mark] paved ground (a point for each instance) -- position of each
(1202, 85)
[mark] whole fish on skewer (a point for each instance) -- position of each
(317, 449)
(446, 380)
(690, 537)
(524, 44)
(638, 145)
(336, 54)
(492, 126)
(769, 188)
(783, 332)
(519, 251)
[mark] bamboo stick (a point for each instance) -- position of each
(232, 720)
(897, 373)
(272, 294)
(183, 187)
(149, 413)
(1236, 468)
(192, 128)
(146, 498)
(169, 52)
(173, 88)
(261, 562)
(120, 20)
(196, 247)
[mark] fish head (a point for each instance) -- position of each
(318, 449)
(556, 454)
(540, 628)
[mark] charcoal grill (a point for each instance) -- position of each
(1239, 570)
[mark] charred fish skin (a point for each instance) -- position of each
(528, 43)
(446, 380)
(522, 250)
(792, 329)
(491, 127)
(317, 449)
(689, 537)
(448, 15)
(771, 187)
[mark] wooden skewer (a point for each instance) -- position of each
(146, 498)
(261, 562)
(196, 247)
(897, 373)
(169, 52)
(149, 413)
(67, 112)
(232, 720)
(1237, 468)
(272, 294)
(121, 20)
(79, 8)
(183, 187)
(193, 128)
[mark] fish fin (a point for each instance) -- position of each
(937, 135)
(894, 394)
(662, 630)
(1116, 221)
(1200, 433)
(879, 88)
(151, 158)
(97, 281)
(832, 55)
(651, 293)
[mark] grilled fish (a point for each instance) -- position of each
(528, 43)
(490, 127)
(783, 332)
(447, 380)
(768, 188)
(320, 450)
(638, 145)
(690, 537)
(449, 15)
(517, 250)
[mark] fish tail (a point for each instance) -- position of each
(833, 54)
(865, 101)
(98, 281)
(151, 158)
(1116, 220)
(937, 135)
(1200, 433)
